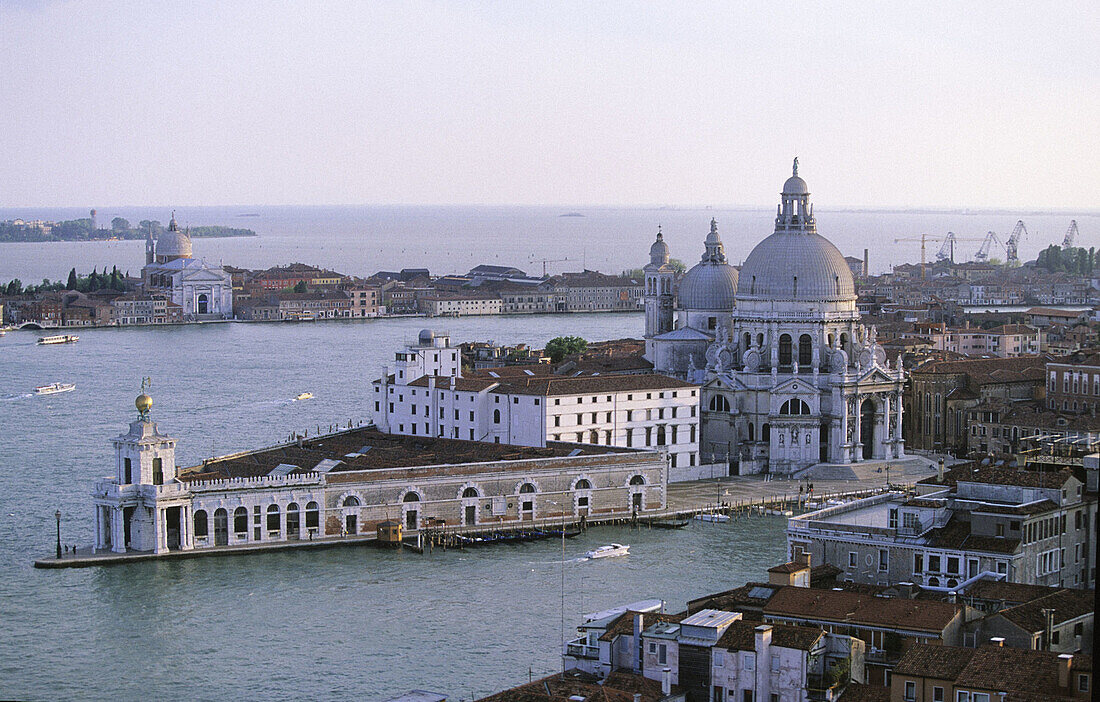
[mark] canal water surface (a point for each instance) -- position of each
(342, 623)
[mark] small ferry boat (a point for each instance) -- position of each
(54, 388)
(304, 396)
(608, 551)
(58, 339)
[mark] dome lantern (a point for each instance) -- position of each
(658, 252)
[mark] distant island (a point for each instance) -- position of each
(571, 214)
(19, 230)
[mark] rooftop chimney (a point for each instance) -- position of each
(998, 641)
(639, 626)
(1065, 662)
(803, 557)
(939, 471)
(666, 681)
(637, 697)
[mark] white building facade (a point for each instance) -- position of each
(428, 396)
(790, 377)
(203, 291)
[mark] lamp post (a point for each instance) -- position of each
(57, 514)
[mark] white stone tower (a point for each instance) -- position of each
(139, 508)
(659, 299)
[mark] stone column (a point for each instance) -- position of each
(161, 529)
(187, 527)
(888, 438)
(857, 437)
(118, 531)
(899, 439)
(98, 528)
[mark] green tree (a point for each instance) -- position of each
(118, 224)
(562, 346)
(73, 280)
(677, 265)
(301, 287)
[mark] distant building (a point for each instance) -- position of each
(458, 305)
(202, 291)
(1073, 383)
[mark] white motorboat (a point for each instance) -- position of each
(304, 396)
(713, 517)
(54, 388)
(58, 339)
(609, 551)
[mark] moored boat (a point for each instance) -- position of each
(54, 388)
(713, 517)
(608, 551)
(58, 339)
(304, 396)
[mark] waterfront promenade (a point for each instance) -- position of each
(737, 494)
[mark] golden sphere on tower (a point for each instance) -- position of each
(143, 403)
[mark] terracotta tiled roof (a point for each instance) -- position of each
(789, 567)
(971, 473)
(928, 661)
(956, 535)
(1067, 604)
(617, 687)
(741, 636)
(751, 594)
(859, 692)
(858, 609)
(1003, 591)
(1015, 670)
(465, 384)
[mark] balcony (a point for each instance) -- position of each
(580, 648)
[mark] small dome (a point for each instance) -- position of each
(795, 186)
(658, 252)
(144, 403)
(709, 286)
(796, 266)
(426, 337)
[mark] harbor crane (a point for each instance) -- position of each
(1018, 232)
(947, 250)
(1071, 235)
(923, 238)
(983, 253)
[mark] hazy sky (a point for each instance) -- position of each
(191, 103)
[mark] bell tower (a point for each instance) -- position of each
(144, 455)
(659, 279)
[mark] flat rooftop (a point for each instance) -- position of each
(875, 515)
(366, 448)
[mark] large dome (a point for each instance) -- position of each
(709, 286)
(174, 243)
(796, 266)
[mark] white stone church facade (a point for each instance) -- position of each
(204, 291)
(790, 377)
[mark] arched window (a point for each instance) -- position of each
(766, 432)
(751, 428)
(526, 487)
(273, 518)
(583, 484)
(785, 350)
(292, 523)
(470, 492)
(719, 403)
(313, 519)
(496, 416)
(637, 480)
(661, 440)
(794, 406)
(748, 342)
(593, 437)
(351, 501)
(240, 520)
(411, 497)
(158, 471)
(805, 351)
(831, 340)
(200, 524)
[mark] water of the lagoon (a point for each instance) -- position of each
(362, 240)
(346, 623)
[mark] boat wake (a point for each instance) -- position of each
(16, 396)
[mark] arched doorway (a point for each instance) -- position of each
(351, 515)
(867, 428)
(204, 303)
(527, 501)
(412, 514)
(293, 523)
